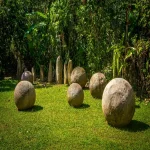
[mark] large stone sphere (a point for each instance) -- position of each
(118, 102)
(75, 95)
(24, 95)
(97, 85)
(78, 75)
(27, 76)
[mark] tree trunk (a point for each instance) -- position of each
(19, 68)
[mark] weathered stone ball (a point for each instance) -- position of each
(27, 76)
(78, 75)
(24, 95)
(97, 85)
(118, 103)
(75, 95)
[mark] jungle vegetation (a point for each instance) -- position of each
(112, 37)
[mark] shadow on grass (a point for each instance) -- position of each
(135, 126)
(137, 106)
(42, 85)
(86, 88)
(35, 108)
(83, 106)
(7, 85)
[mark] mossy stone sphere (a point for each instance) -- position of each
(97, 85)
(78, 75)
(75, 95)
(118, 102)
(24, 95)
(27, 76)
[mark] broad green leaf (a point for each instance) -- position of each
(41, 14)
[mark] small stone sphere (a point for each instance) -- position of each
(97, 85)
(75, 95)
(24, 95)
(78, 75)
(118, 103)
(27, 76)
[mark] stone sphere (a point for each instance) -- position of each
(75, 95)
(24, 95)
(27, 76)
(78, 75)
(118, 103)
(97, 85)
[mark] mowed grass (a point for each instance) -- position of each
(53, 125)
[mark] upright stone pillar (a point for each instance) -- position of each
(69, 71)
(59, 68)
(65, 74)
(50, 73)
(42, 73)
(34, 74)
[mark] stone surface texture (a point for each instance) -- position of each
(24, 95)
(27, 76)
(34, 74)
(69, 70)
(75, 95)
(59, 69)
(118, 102)
(78, 75)
(97, 85)
(65, 74)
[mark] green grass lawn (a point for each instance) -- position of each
(53, 125)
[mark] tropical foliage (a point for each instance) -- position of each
(107, 36)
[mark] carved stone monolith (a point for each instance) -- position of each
(34, 74)
(59, 69)
(65, 74)
(69, 70)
